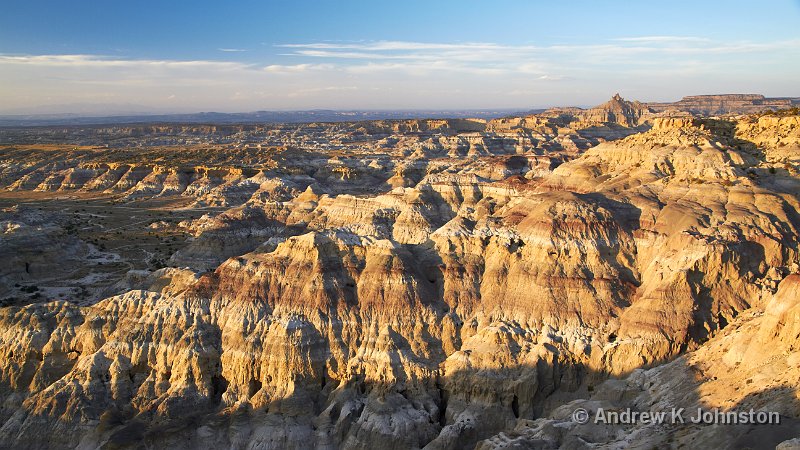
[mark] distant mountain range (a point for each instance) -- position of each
(320, 115)
(697, 104)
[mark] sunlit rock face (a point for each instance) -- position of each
(437, 284)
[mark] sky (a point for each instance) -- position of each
(92, 56)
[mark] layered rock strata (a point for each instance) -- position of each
(462, 304)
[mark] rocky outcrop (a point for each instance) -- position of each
(460, 294)
(749, 366)
(617, 111)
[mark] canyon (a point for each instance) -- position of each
(411, 283)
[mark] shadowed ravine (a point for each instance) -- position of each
(200, 384)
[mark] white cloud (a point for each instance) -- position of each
(422, 68)
(551, 78)
(296, 68)
(395, 45)
(662, 39)
(488, 53)
(346, 55)
(232, 50)
(403, 74)
(82, 61)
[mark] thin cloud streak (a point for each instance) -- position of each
(662, 39)
(403, 74)
(297, 68)
(390, 50)
(79, 61)
(468, 57)
(557, 61)
(395, 45)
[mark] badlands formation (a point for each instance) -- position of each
(439, 284)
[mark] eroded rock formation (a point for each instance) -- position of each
(453, 284)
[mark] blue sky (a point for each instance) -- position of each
(175, 56)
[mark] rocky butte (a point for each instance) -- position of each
(438, 284)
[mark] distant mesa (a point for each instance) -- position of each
(725, 104)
